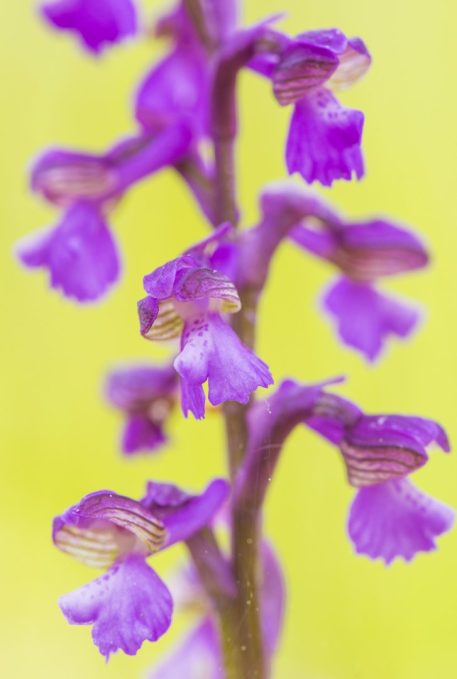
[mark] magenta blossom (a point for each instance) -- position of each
(129, 603)
(80, 252)
(365, 252)
(146, 394)
(389, 517)
(98, 23)
(324, 141)
(187, 297)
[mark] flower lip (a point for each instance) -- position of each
(394, 519)
(104, 526)
(98, 23)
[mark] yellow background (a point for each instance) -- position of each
(347, 618)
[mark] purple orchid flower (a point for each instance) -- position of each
(199, 655)
(324, 140)
(98, 23)
(129, 603)
(146, 394)
(80, 253)
(187, 297)
(389, 517)
(364, 252)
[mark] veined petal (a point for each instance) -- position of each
(364, 251)
(366, 318)
(167, 325)
(324, 139)
(80, 253)
(377, 448)
(105, 525)
(395, 519)
(63, 176)
(98, 23)
(302, 68)
(126, 606)
(373, 464)
(378, 248)
(208, 284)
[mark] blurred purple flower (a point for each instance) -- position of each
(80, 252)
(98, 23)
(129, 603)
(186, 298)
(364, 252)
(365, 318)
(146, 394)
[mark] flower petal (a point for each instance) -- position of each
(97, 22)
(79, 253)
(148, 311)
(207, 284)
(126, 606)
(364, 251)
(104, 525)
(354, 62)
(212, 351)
(183, 514)
(395, 519)
(141, 434)
(195, 513)
(365, 318)
(63, 176)
(133, 387)
(324, 140)
(302, 68)
(175, 89)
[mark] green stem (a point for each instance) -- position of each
(239, 617)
